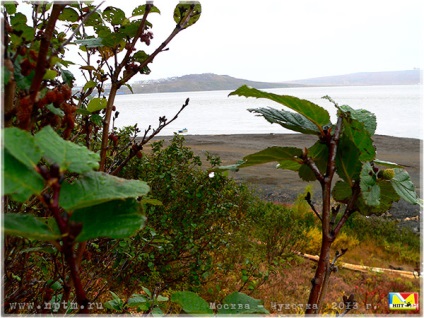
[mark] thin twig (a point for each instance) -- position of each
(308, 199)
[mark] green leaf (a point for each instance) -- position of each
(89, 84)
(342, 192)
(241, 304)
(96, 119)
(314, 113)
(28, 226)
(404, 187)
(183, 9)
(50, 75)
(348, 164)
(113, 15)
(387, 163)
(140, 56)
(96, 104)
(369, 188)
(18, 19)
(355, 131)
(289, 120)
(68, 155)
(69, 14)
(114, 219)
(67, 77)
(387, 196)
(272, 154)
(94, 19)
(10, 7)
(365, 117)
(22, 146)
(137, 300)
(56, 111)
(97, 187)
(191, 303)
(115, 304)
(20, 181)
(129, 87)
(140, 10)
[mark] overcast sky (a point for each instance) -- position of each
(279, 40)
(282, 40)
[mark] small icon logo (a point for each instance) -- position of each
(403, 301)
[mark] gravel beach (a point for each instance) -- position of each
(284, 186)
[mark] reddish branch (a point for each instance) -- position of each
(328, 235)
(69, 231)
(40, 68)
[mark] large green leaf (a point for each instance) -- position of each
(341, 192)
(96, 104)
(68, 155)
(97, 187)
(289, 120)
(240, 304)
(20, 181)
(139, 301)
(369, 188)
(113, 219)
(69, 14)
(355, 131)
(113, 15)
(387, 196)
(272, 154)
(404, 187)
(367, 118)
(29, 226)
(191, 303)
(183, 9)
(348, 164)
(22, 146)
(314, 113)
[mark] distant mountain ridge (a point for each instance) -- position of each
(408, 77)
(201, 82)
(211, 82)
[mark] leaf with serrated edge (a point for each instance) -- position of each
(369, 188)
(20, 181)
(97, 187)
(22, 146)
(288, 120)
(68, 155)
(28, 226)
(314, 113)
(114, 219)
(272, 154)
(404, 187)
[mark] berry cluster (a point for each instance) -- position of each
(146, 37)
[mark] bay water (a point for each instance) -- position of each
(399, 109)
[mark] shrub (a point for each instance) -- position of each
(198, 216)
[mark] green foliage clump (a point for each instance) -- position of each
(197, 217)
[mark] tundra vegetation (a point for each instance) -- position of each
(95, 221)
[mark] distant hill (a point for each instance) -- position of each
(409, 77)
(212, 82)
(200, 82)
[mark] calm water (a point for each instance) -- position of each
(398, 109)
